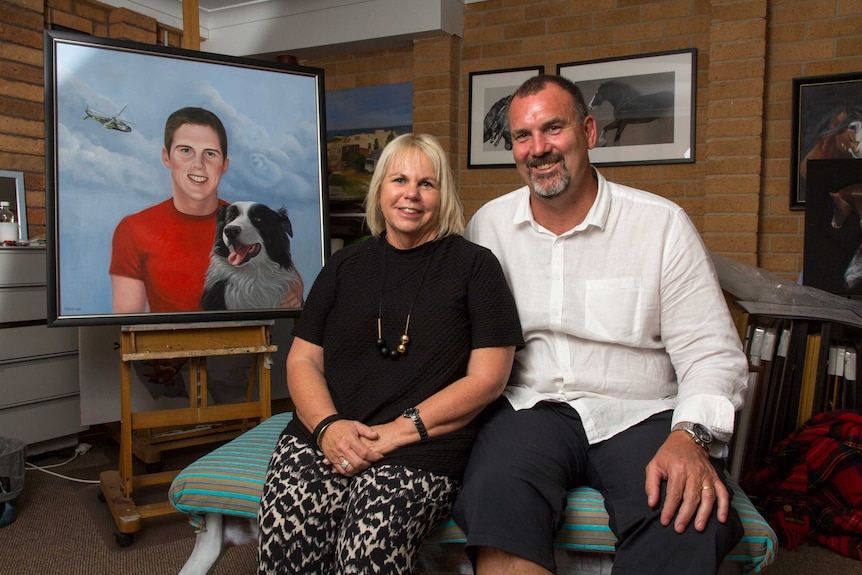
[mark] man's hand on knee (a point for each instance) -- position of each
(693, 486)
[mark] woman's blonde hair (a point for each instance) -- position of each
(451, 221)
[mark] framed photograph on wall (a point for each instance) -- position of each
(643, 106)
(174, 177)
(490, 143)
(12, 191)
(826, 125)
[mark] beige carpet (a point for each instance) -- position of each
(57, 533)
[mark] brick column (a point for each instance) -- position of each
(123, 24)
(22, 121)
(734, 138)
(436, 65)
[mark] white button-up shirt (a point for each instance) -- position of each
(623, 315)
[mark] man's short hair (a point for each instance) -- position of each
(538, 83)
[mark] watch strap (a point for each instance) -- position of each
(689, 428)
(413, 414)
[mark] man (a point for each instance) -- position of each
(632, 369)
(160, 255)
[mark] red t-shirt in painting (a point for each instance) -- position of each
(169, 251)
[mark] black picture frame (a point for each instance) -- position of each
(657, 124)
(489, 141)
(826, 124)
(106, 103)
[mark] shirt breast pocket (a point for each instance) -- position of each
(613, 309)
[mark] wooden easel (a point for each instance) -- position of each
(194, 425)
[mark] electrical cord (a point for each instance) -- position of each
(81, 449)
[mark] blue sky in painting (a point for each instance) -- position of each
(371, 107)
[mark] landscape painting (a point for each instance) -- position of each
(359, 123)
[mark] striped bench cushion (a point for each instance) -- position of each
(229, 480)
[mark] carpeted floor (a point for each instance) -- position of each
(62, 528)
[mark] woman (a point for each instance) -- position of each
(404, 339)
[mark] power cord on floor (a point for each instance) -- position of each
(81, 449)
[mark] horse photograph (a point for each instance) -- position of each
(628, 105)
(643, 106)
(490, 141)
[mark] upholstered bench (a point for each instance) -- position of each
(226, 484)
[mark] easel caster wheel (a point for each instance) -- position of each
(124, 539)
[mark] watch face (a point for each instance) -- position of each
(702, 433)
(411, 412)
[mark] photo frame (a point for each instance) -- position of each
(489, 141)
(118, 195)
(644, 106)
(12, 191)
(827, 111)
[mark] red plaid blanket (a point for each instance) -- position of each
(810, 485)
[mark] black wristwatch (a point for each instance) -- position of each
(700, 433)
(413, 413)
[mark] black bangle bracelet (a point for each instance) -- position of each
(315, 436)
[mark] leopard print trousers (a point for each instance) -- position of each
(314, 521)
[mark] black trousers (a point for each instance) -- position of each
(522, 465)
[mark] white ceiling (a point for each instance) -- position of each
(309, 28)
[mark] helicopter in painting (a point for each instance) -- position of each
(110, 122)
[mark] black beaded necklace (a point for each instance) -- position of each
(385, 351)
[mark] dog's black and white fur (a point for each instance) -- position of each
(250, 265)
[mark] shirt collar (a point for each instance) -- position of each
(597, 216)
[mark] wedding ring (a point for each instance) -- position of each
(705, 487)
(345, 464)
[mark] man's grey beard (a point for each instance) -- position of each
(549, 187)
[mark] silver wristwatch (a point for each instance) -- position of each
(413, 413)
(699, 433)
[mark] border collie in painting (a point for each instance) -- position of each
(250, 265)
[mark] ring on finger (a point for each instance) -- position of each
(345, 464)
(705, 487)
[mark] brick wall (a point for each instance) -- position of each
(737, 191)
(22, 127)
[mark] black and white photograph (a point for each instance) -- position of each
(488, 131)
(643, 106)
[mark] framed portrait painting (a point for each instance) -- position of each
(826, 125)
(643, 106)
(176, 177)
(490, 143)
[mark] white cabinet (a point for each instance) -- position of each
(39, 392)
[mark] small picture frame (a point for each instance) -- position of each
(490, 143)
(643, 106)
(12, 191)
(826, 117)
